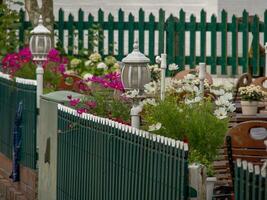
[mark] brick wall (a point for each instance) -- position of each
(26, 189)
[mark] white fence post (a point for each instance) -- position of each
(40, 83)
(163, 67)
(197, 180)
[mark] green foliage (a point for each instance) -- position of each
(110, 105)
(51, 75)
(27, 71)
(194, 123)
(9, 23)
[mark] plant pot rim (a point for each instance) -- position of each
(211, 178)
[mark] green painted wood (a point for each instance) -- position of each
(265, 26)
(224, 42)
(245, 41)
(234, 45)
(70, 35)
(61, 28)
(213, 45)
(141, 30)
(99, 160)
(180, 59)
(130, 32)
(111, 34)
(170, 39)
(90, 34)
(100, 32)
(192, 29)
(80, 29)
(10, 96)
(121, 35)
(21, 28)
(161, 28)
(203, 36)
(151, 49)
(255, 44)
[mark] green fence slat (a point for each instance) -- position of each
(90, 33)
(245, 41)
(80, 29)
(61, 28)
(192, 29)
(21, 28)
(121, 35)
(255, 44)
(224, 42)
(141, 30)
(170, 39)
(181, 43)
(265, 27)
(234, 45)
(130, 33)
(203, 36)
(110, 34)
(213, 45)
(71, 34)
(100, 32)
(151, 49)
(247, 185)
(161, 28)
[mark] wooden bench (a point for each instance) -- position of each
(246, 141)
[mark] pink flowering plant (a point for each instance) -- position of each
(103, 98)
(21, 64)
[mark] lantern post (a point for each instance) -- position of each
(135, 75)
(40, 45)
(202, 76)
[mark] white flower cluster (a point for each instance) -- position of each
(131, 94)
(154, 127)
(224, 104)
(151, 88)
(252, 92)
(173, 67)
(154, 68)
(95, 57)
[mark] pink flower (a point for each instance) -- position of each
(25, 55)
(81, 110)
(53, 55)
(74, 102)
(62, 68)
(90, 104)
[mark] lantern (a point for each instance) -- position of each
(135, 72)
(40, 42)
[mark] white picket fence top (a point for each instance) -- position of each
(19, 80)
(105, 121)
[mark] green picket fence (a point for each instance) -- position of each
(101, 159)
(250, 181)
(175, 30)
(11, 93)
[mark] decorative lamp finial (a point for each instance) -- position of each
(136, 46)
(40, 21)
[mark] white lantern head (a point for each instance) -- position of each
(40, 42)
(135, 72)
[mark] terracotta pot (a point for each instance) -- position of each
(249, 107)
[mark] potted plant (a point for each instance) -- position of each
(250, 97)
